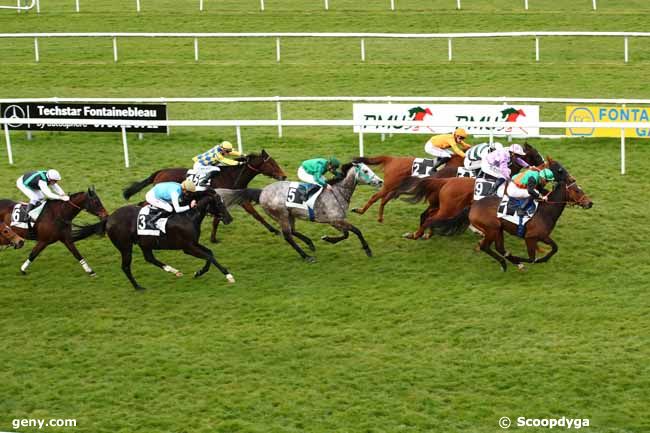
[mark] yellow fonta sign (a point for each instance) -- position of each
(610, 115)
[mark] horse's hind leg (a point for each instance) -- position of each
(69, 243)
(336, 239)
(248, 207)
(149, 257)
(376, 196)
(40, 246)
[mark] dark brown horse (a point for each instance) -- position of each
(483, 216)
(448, 198)
(9, 237)
(182, 233)
(55, 224)
(229, 177)
(397, 170)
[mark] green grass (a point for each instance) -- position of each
(426, 336)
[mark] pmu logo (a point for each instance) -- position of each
(511, 114)
(14, 112)
(417, 114)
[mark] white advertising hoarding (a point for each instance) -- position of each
(449, 115)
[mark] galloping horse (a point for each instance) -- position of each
(483, 216)
(55, 224)
(182, 233)
(9, 237)
(229, 177)
(449, 197)
(397, 169)
(330, 207)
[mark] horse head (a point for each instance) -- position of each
(10, 236)
(217, 207)
(266, 165)
(365, 175)
(93, 203)
(575, 194)
(532, 157)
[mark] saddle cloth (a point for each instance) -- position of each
(422, 167)
(463, 172)
(199, 178)
(483, 188)
(296, 196)
(149, 223)
(507, 211)
(22, 219)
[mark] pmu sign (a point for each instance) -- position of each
(83, 112)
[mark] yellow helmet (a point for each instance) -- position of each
(460, 132)
(227, 145)
(188, 185)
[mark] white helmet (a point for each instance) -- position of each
(517, 149)
(53, 175)
(496, 146)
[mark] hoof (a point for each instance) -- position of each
(23, 272)
(197, 274)
(214, 240)
(139, 289)
(409, 235)
(310, 259)
(521, 267)
(356, 210)
(380, 220)
(179, 274)
(92, 274)
(230, 278)
(426, 237)
(368, 252)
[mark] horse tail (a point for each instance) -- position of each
(83, 232)
(419, 188)
(232, 197)
(452, 226)
(137, 186)
(374, 160)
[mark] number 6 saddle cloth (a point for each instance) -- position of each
(22, 219)
(150, 222)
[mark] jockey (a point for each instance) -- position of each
(41, 184)
(476, 153)
(529, 185)
(313, 170)
(496, 164)
(440, 145)
(209, 161)
(166, 196)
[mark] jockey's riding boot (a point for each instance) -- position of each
(496, 185)
(523, 209)
(439, 161)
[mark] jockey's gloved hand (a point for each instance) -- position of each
(65, 198)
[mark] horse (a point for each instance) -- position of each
(448, 198)
(329, 208)
(229, 177)
(397, 170)
(55, 224)
(182, 233)
(483, 217)
(9, 238)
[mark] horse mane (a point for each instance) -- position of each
(345, 168)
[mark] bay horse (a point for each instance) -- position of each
(450, 198)
(9, 238)
(330, 207)
(229, 177)
(397, 170)
(483, 216)
(182, 233)
(55, 224)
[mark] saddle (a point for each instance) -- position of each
(152, 221)
(25, 218)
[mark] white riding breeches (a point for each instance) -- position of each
(204, 169)
(493, 171)
(515, 192)
(306, 177)
(436, 151)
(157, 203)
(34, 195)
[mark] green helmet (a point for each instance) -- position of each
(547, 174)
(333, 162)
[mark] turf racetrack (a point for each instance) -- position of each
(426, 336)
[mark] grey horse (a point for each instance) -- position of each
(330, 207)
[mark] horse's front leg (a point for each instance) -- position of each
(376, 196)
(215, 225)
(248, 207)
(198, 250)
(547, 240)
(345, 227)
